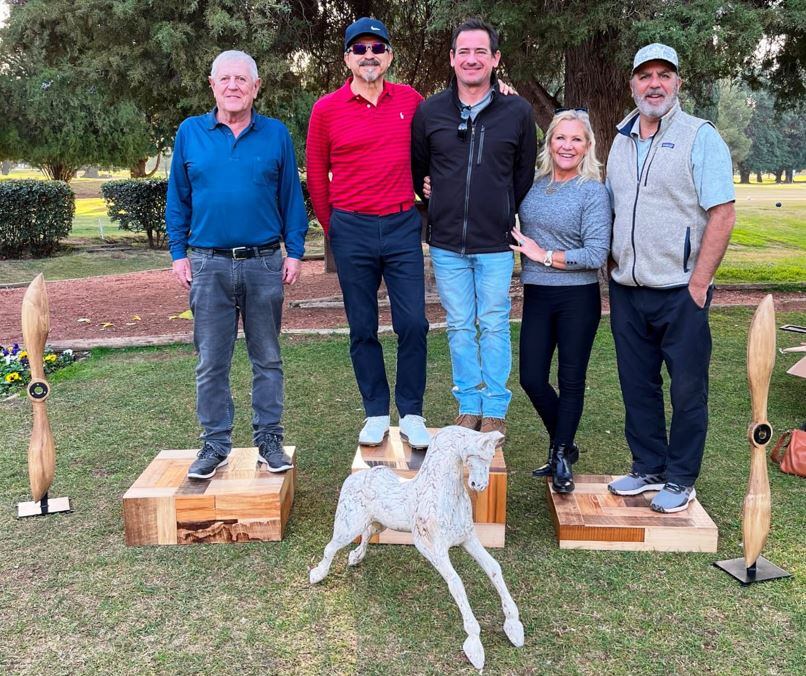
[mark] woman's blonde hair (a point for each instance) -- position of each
(590, 167)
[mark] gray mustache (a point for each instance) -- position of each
(369, 62)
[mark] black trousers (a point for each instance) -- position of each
(652, 327)
(565, 319)
(366, 249)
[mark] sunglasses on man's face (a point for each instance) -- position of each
(377, 48)
(461, 130)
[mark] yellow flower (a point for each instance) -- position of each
(12, 377)
(50, 358)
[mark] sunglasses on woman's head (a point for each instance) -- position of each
(377, 48)
(557, 111)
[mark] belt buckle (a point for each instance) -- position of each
(239, 253)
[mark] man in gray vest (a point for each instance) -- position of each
(671, 181)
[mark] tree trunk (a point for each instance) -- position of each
(744, 174)
(759, 177)
(59, 172)
(778, 175)
(790, 176)
(6, 167)
(594, 80)
(138, 170)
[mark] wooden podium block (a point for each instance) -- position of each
(593, 518)
(241, 503)
(489, 506)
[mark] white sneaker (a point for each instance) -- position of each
(375, 429)
(412, 430)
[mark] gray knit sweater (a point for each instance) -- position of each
(575, 219)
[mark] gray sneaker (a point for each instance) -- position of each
(673, 498)
(207, 461)
(271, 454)
(633, 484)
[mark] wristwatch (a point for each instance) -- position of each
(549, 258)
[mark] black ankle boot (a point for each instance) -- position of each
(544, 470)
(571, 454)
(562, 479)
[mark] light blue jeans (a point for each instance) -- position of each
(474, 289)
(222, 290)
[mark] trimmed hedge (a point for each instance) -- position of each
(34, 216)
(138, 205)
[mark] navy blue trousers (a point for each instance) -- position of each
(652, 327)
(368, 249)
(565, 319)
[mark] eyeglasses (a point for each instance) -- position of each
(461, 130)
(557, 111)
(360, 48)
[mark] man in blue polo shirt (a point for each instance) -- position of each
(233, 194)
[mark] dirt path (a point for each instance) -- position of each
(143, 307)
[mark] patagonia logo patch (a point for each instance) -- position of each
(667, 145)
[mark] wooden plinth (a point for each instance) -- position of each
(593, 518)
(241, 503)
(489, 506)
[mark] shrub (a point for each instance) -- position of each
(34, 216)
(15, 371)
(138, 205)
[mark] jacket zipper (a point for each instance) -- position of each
(645, 167)
(467, 186)
(481, 145)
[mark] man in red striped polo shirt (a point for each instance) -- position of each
(359, 178)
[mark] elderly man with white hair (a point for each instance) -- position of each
(233, 195)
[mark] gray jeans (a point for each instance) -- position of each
(222, 290)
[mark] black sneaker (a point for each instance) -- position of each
(271, 454)
(207, 461)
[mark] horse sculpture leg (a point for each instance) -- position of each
(438, 557)
(357, 555)
(512, 625)
(351, 521)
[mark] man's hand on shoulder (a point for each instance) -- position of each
(181, 268)
(291, 269)
(506, 89)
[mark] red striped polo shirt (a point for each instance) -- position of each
(359, 154)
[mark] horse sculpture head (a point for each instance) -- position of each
(475, 449)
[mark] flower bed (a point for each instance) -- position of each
(15, 371)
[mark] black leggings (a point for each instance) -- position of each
(565, 318)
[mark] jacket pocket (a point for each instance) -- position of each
(687, 249)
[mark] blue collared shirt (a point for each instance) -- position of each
(225, 192)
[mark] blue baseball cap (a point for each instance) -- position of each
(365, 26)
(655, 52)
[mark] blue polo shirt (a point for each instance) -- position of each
(226, 192)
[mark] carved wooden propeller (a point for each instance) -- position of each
(757, 509)
(41, 449)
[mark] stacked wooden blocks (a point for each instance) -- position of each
(593, 518)
(243, 502)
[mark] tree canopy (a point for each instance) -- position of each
(155, 56)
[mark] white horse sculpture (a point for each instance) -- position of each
(435, 507)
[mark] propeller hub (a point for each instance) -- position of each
(38, 390)
(761, 434)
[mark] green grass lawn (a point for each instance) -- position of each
(74, 599)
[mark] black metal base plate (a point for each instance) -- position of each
(52, 506)
(765, 570)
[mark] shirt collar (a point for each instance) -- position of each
(348, 95)
(212, 122)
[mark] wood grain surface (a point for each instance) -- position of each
(593, 518)
(243, 502)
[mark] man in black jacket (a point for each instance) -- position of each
(479, 148)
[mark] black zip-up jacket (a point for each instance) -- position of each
(477, 184)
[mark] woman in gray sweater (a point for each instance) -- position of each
(563, 239)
